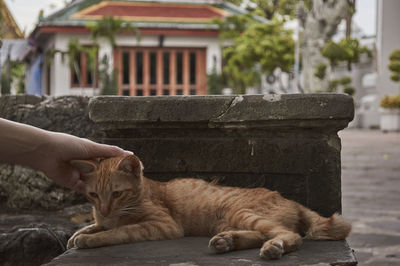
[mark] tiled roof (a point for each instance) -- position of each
(8, 27)
(177, 14)
(139, 11)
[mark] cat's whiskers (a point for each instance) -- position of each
(130, 210)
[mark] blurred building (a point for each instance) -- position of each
(371, 77)
(11, 37)
(388, 39)
(364, 77)
(12, 45)
(8, 27)
(177, 47)
(377, 84)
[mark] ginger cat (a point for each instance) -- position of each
(129, 207)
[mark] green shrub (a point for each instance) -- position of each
(5, 85)
(215, 82)
(391, 102)
(345, 81)
(320, 71)
(333, 84)
(394, 65)
(109, 81)
(349, 90)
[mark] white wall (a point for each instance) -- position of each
(60, 72)
(388, 39)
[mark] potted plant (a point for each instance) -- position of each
(390, 113)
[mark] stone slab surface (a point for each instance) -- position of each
(109, 112)
(192, 251)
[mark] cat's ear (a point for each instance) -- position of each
(85, 167)
(131, 165)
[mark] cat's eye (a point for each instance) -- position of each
(116, 194)
(93, 195)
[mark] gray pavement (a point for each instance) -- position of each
(371, 194)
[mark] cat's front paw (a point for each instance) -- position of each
(221, 243)
(71, 240)
(82, 241)
(272, 249)
(70, 243)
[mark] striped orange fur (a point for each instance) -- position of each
(129, 207)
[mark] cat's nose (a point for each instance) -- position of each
(104, 213)
(104, 210)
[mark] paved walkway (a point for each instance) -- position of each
(371, 194)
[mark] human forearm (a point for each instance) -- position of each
(18, 142)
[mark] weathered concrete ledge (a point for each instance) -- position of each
(254, 111)
(193, 251)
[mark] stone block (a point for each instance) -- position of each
(287, 143)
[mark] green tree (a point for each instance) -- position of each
(73, 53)
(333, 85)
(17, 73)
(349, 90)
(346, 50)
(349, 16)
(334, 53)
(215, 82)
(269, 9)
(259, 47)
(343, 83)
(92, 56)
(108, 27)
(320, 71)
(394, 65)
(109, 81)
(5, 83)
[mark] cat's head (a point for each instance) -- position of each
(113, 185)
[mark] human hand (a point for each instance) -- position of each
(50, 152)
(54, 156)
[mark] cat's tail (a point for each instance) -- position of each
(321, 228)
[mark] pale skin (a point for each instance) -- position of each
(50, 152)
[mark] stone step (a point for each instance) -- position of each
(191, 251)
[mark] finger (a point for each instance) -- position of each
(103, 150)
(75, 183)
(79, 187)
